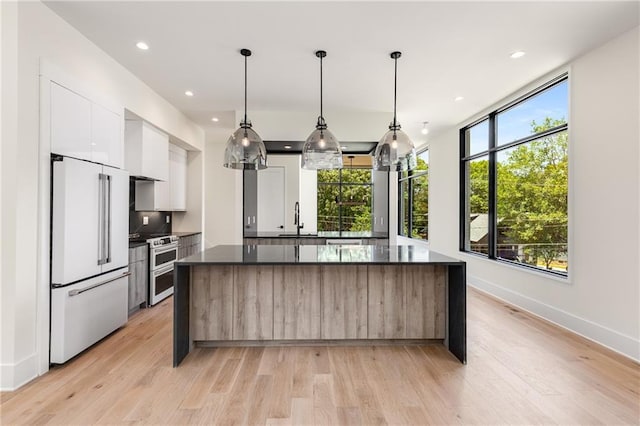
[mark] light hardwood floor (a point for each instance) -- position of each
(521, 370)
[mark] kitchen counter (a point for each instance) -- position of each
(321, 234)
(317, 255)
(137, 244)
(235, 295)
(185, 234)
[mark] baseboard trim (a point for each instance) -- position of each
(13, 376)
(611, 339)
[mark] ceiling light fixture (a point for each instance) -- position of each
(395, 151)
(458, 98)
(188, 93)
(321, 149)
(425, 130)
(245, 149)
(215, 119)
(517, 54)
(142, 45)
(287, 147)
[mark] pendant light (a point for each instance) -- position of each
(321, 149)
(245, 149)
(395, 151)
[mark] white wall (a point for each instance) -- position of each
(31, 32)
(193, 219)
(223, 194)
(601, 299)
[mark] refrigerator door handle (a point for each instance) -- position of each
(108, 221)
(91, 287)
(101, 219)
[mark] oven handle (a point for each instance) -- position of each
(162, 270)
(164, 249)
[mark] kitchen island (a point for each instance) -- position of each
(238, 295)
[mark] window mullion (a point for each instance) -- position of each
(492, 219)
(410, 208)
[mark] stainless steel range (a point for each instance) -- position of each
(163, 252)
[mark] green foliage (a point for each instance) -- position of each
(532, 182)
(352, 200)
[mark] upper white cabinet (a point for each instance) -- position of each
(83, 129)
(165, 196)
(146, 151)
(178, 177)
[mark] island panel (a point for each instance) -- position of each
(253, 302)
(296, 300)
(344, 302)
(211, 302)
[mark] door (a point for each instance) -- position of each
(271, 200)
(76, 221)
(117, 217)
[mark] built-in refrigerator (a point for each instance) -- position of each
(89, 254)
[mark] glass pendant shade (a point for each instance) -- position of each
(245, 150)
(395, 152)
(321, 150)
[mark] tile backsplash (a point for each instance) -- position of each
(157, 221)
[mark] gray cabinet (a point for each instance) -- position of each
(188, 245)
(139, 278)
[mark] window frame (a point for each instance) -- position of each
(492, 152)
(411, 175)
(342, 183)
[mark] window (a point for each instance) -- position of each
(413, 187)
(344, 200)
(514, 181)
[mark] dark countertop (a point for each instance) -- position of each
(137, 244)
(322, 234)
(314, 255)
(185, 234)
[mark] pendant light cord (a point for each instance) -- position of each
(321, 87)
(395, 91)
(245, 90)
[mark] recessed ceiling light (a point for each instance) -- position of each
(188, 93)
(343, 147)
(142, 45)
(287, 147)
(215, 119)
(517, 54)
(459, 98)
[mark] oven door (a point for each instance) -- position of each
(163, 256)
(160, 284)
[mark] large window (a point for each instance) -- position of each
(344, 200)
(413, 190)
(514, 177)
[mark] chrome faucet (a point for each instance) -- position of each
(296, 218)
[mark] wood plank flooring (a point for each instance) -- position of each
(521, 370)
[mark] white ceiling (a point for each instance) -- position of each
(449, 49)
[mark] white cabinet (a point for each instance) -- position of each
(107, 145)
(146, 151)
(178, 177)
(84, 129)
(166, 196)
(152, 196)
